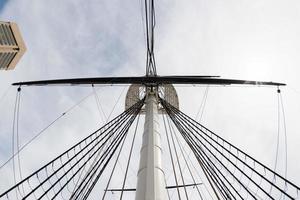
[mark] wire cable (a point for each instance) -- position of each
(172, 159)
(125, 132)
(94, 142)
(13, 137)
(44, 129)
(129, 158)
(99, 106)
(188, 158)
(178, 161)
(193, 124)
(285, 134)
(185, 160)
(202, 105)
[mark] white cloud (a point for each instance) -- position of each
(249, 39)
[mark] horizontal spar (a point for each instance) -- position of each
(148, 81)
(168, 187)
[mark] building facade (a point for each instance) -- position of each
(12, 46)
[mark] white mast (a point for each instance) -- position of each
(151, 181)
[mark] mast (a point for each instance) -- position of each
(151, 181)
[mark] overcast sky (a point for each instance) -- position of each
(256, 40)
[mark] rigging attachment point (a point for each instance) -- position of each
(136, 92)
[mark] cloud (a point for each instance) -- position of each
(247, 40)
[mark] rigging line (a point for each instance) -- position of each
(44, 129)
(178, 161)
(240, 169)
(187, 126)
(92, 168)
(189, 169)
(278, 129)
(204, 160)
(183, 150)
(285, 134)
(167, 190)
(212, 177)
(99, 154)
(212, 172)
(199, 161)
(53, 189)
(232, 146)
(247, 175)
(125, 131)
(172, 159)
(285, 137)
(140, 105)
(92, 181)
(119, 97)
(13, 135)
(114, 167)
(69, 179)
(111, 123)
(147, 36)
(200, 150)
(130, 153)
(99, 106)
(103, 147)
(201, 109)
(42, 190)
(18, 137)
(94, 161)
(202, 105)
(113, 170)
(152, 37)
(278, 138)
(52, 183)
(92, 164)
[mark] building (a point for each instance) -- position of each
(12, 46)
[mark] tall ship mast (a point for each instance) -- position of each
(227, 171)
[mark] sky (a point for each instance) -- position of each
(2, 3)
(255, 40)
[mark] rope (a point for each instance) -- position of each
(125, 131)
(150, 25)
(13, 135)
(285, 135)
(129, 158)
(94, 167)
(44, 129)
(182, 149)
(211, 169)
(172, 160)
(15, 118)
(193, 127)
(202, 105)
(99, 106)
(178, 161)
(114, 107)
(83, 170)
(185, 160)
(215, 157)
(62, 166)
